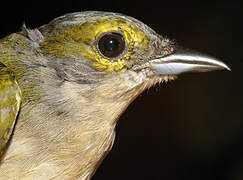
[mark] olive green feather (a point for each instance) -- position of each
(10, 99)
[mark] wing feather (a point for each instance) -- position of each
(10, 100)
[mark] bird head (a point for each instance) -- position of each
(114, 43)
(119, 54)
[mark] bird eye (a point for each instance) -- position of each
(111, 45)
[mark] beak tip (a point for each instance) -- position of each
(224, 66)
(228, 68)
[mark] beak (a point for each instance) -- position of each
(184, 60)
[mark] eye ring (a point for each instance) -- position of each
(112, 45)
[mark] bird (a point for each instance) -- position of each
(64, 85)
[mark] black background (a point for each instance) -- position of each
(187, 129)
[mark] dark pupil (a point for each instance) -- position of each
(111, 45)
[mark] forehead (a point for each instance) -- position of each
(92, 24)
(80, 18)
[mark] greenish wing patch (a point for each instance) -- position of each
(10, 100)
